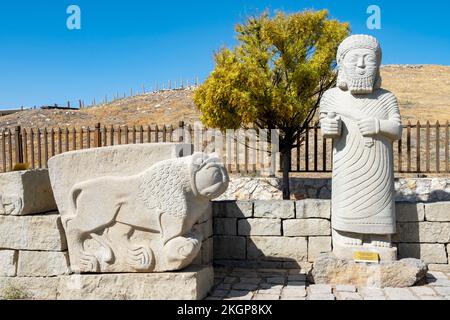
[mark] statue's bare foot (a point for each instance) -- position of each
(140, 257)
(88, 263)
(347, 238)
(381, 241)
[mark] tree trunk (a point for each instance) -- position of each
(286, 156)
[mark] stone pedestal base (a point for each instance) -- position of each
(193, 283)
(328, 269)
(347, 252)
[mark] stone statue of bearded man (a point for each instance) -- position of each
(363, 120)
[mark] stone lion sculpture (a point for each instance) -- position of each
(143, 222)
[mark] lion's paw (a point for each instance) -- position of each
(88, 263)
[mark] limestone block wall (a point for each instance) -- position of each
(291, 234)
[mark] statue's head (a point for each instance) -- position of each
(359, 60)
(209, 177)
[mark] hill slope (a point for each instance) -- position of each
(423, 92)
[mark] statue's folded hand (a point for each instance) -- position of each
(369, 127)
(331, 127)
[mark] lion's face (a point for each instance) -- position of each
(212, 180)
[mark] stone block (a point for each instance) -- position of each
(8, 261)
(29, 288)
(245, 286)
(423, 291)
(429, 253)
(399, 294)
(225, 226)
(208, 216)
(306, 227)
(319, 289)
(193, 283)
(250, 279)
(317, 246)
(345, 252)
(376, 298)
(313, 208)
(259, 227)
(43, 233)
(42, 264)
(321, 296)
(227, 247)
(371, 292)
(276, 280)
(218, 293)
(349, 296)
(205, 229)
(233, 209)
(433, 298)
(294, 292)
(277, 248)
(423, 232)
(207, 251)
(267, 297)
(445, 291)
(239, 295)
(438, 211)
(410, 212)
(26, 192)
(440, 267)
(329, 270)
(345, 288)
(273, 209)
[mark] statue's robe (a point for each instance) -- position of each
(363, 175)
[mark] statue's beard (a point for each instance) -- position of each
(361, 85)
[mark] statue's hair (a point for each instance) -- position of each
(359, 41)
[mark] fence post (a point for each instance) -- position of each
(438, 148)
(181, 130)
(19, 146)
(97, 136)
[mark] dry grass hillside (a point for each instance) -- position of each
(423, 92)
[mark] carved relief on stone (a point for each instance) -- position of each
(142, 223)
(363, 120)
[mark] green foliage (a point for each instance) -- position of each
(275, 76)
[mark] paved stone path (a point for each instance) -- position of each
(292, 284)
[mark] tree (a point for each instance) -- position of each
(274, 78)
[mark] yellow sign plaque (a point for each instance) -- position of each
(366, 256)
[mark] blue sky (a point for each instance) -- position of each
(123, 44)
